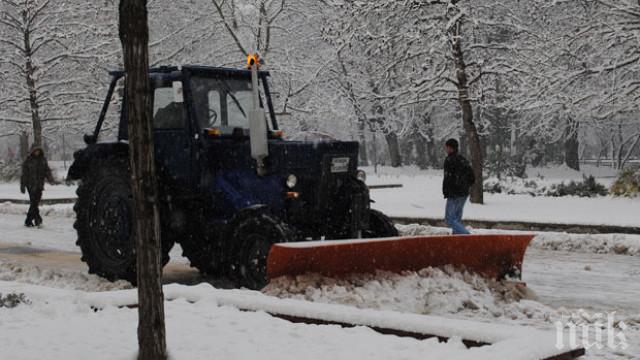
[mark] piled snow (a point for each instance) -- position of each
(203, 322)
(620, 244)
(429, 291)
(62, 279)
(460, 296)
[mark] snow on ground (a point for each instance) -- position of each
(12, 191)
(620, 244)
(421, 196)
(429, 291)
(201, 330)
(203, 322)
(463, 296)
(57, 232)
(560, 283)
(57, 278)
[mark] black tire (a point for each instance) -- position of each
(253, 235)
(380, 226)
(104, 212)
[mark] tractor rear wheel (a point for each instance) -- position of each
(254, 236)
(104, 212)
(380, 226)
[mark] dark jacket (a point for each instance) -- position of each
(35, 171)
(458, 176)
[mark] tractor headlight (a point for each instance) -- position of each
(292, 181)
(361, 175)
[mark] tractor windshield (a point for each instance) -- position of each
(222, 103)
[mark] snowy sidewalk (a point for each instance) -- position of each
(204, 322)
(421, 197)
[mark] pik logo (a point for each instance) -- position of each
(597, 330)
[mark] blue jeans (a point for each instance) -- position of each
(453, 214)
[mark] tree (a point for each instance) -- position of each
(134, 35)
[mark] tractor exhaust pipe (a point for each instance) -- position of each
(257, 122)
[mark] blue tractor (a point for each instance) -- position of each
(230, 184)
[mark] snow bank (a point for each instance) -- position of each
(429, 291)
(203, 322)
(62, 279)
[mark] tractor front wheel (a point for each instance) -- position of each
(254, 236)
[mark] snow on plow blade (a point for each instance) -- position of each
(493, 256)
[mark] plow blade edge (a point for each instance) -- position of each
(493, 256)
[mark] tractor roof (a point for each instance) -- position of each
(197, 69)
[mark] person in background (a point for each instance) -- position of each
(35, 170)
(458, 178)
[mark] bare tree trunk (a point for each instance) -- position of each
(394, 149)
(31, 83)
(422, 157)
(513, 143)
(134, 35)
(612, 150)
(24, 145)
(364, 156)
(475, 148)
(430, 146)
(424, 144)
(571, 146)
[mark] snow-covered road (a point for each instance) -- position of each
(566, 278)
(598, 282)
(594, 282)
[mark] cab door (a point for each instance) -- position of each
(173, 140)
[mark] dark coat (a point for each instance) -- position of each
(458, 176)
(35, 170)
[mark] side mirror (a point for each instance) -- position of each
(90, 139)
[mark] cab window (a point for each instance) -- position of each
(167, 113)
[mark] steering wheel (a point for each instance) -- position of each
(213, 116)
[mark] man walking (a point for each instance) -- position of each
(458, 178)
(34, 172)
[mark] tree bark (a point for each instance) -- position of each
(364, 156)
(24, 145)
(134, 35)
(394, 149)
(31, 83)
(475, 148)
(422, 157)
(571, 146)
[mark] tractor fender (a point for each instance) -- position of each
(244, 214)
(84, 158)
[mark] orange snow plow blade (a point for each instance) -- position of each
(493, 256)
